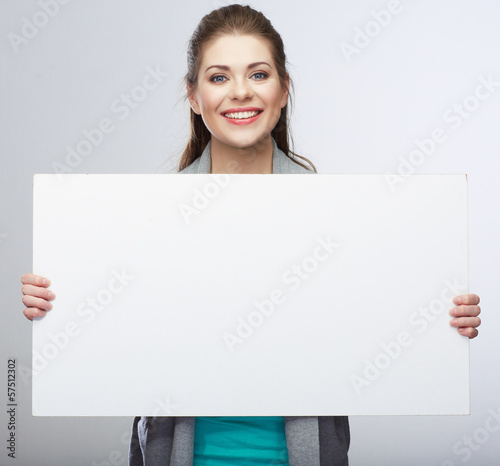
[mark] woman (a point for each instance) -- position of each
(238, 89)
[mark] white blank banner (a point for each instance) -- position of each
(237, 295)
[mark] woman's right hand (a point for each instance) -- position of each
(36, 295)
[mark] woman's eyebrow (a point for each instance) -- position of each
(251, 65)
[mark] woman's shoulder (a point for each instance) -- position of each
(201, 164)
(291, 166)
(192, 168)
(283, 163)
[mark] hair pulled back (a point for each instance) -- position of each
(237, 20)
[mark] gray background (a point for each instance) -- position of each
(357, 116)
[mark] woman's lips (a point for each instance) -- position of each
(239, 118)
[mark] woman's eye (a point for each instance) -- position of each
(218, 79)
(260, 75)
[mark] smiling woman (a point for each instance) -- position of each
(239, 97)
(238, 89)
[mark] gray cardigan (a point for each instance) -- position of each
(311, 441)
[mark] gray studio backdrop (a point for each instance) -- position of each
(375, 82)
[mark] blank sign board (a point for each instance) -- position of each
(240, 295)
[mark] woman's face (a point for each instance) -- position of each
(239, 95)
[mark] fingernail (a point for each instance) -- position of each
(51, 295)
(453, 312)
(458, 300)
(50, 305)
(45, 282)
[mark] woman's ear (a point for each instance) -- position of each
(193, 102)
(284, 97)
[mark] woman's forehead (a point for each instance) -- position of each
(236, 51)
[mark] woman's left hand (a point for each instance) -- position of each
(466, 314)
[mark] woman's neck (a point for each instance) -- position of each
(256, 159)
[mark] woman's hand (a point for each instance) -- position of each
(36, 295)
(466, 314)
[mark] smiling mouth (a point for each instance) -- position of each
(242, 115)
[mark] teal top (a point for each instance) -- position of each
(245, 441)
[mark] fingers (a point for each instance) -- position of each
(465, 311)
(38, 291)
(31, 312)
(37, 280)
(466, 315)
(468, 332)
(466, 322)
(36, 295)
(33, 301)
(466, 299)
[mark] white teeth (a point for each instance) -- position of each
(241, 115)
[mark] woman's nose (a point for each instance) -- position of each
(241, 89)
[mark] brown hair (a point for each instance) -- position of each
(235, 19)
